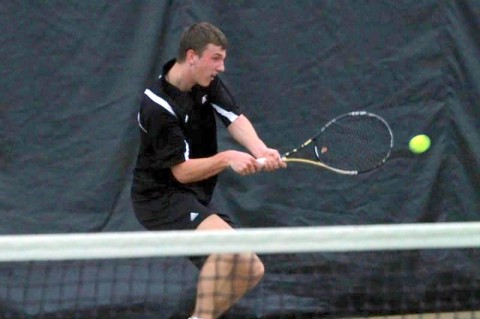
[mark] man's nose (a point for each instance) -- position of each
(221, 67)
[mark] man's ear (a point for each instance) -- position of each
(191, 57)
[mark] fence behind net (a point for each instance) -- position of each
(310, 272)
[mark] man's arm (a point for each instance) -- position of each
(242, 130)
(244, 133)
(197, 169)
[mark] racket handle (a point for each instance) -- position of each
(261, 161)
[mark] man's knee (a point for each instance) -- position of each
(214, 222)
(252, 268)
(259, 270)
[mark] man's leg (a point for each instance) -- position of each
(224, 278)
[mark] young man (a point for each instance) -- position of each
(178, 161)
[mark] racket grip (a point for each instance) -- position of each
(261, 160)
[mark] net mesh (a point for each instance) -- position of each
(420, 270)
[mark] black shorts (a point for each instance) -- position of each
(178, 211)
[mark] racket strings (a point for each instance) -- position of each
(355, 143)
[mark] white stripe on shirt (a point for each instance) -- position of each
(157, 99)
(140, 123)
(229, 115)
(187, 151)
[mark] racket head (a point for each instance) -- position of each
(354, 143)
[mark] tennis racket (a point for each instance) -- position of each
(350, 144)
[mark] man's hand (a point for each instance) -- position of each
(272, 160)
(243, 163)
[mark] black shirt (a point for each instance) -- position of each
(176, 126)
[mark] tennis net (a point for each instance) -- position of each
(420, 270)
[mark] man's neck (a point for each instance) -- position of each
(180, 77)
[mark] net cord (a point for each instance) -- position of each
(79, 246)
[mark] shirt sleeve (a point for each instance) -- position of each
(223, 102)
(162, 134)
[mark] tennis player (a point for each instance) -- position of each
(178, 161)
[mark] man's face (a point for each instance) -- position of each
(209, 64)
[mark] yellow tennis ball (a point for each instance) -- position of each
(419, 144)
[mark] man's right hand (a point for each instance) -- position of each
(243, 163)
